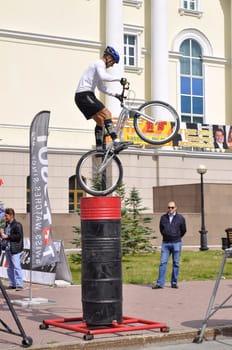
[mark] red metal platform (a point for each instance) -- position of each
(128, 324)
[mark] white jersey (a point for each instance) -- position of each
(94, 76)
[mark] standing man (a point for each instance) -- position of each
(13, 234)
(172, 228)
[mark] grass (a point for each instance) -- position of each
(194, 266)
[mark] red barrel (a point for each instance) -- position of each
(101, 260)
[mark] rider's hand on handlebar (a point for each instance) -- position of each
(123, 81)
(119, 97)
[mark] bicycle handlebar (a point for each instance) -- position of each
(125, 86)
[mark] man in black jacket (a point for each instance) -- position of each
(13, 234)
(172, 228)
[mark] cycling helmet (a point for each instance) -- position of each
(112, 52)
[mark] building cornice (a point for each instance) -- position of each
(48, 39)
(155, 152)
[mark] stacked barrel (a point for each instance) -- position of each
(101, 260)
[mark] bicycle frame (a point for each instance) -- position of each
(122, 119)
(125, 113)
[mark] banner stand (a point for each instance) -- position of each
(43, 250)
(42, 254)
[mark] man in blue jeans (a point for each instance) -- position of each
(13, 234)
(172, 228)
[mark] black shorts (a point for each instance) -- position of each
(88, 103)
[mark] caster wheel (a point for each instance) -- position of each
(88, 337)
(165, 330)
(27, 342)
(43, 326)
(197, 340)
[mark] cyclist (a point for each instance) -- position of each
(89, 105)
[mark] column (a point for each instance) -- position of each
(114, 37)
(159, 50)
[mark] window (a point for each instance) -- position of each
(190, 5)
(190, 8)
(132, 48)
(75, 194)
(191, 82)
(130, 45)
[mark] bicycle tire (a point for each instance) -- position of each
(160, 114)
(94, 183)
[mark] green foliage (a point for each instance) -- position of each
(136, 234)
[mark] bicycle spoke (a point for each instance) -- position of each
(98, 174)
(156, 122)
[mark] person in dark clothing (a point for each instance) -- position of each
(219, 139)
(172, 228)
(13, 235)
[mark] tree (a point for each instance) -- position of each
(136, 234)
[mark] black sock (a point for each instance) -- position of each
(99, 135)
(110, 128)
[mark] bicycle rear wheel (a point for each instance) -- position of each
(158, 122)
(97, 182)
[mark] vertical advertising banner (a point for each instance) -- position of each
(43, 250)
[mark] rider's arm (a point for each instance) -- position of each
(102, 75)
(103, 88)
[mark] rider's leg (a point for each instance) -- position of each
(106, 117)
(99, 131)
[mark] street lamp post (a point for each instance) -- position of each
(202, 170)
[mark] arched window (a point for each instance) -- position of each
(75, 194)
(191, 82)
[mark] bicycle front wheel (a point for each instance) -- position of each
(156, 122)
(93, 179)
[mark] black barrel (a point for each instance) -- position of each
(101, 260)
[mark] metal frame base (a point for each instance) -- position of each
(27, 341)
(128, 324)
(211, 308)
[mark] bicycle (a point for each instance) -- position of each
(100, 172)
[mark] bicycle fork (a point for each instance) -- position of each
(106, 160)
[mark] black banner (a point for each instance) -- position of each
(43, 251)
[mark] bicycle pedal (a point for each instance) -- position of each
(122, 146)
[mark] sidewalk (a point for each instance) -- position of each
(183, 310)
